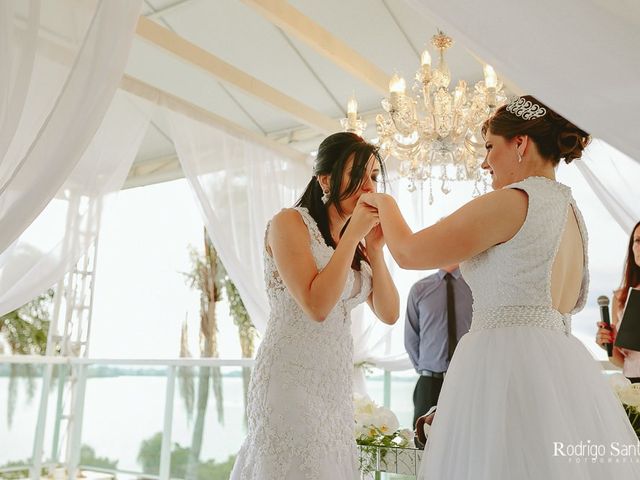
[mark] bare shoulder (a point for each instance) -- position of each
(289, 243)
(486, 221)
(287, 224)
(502, 206)
(287, 218)
(510, 198)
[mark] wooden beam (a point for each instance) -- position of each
(283, 15)
(176, 104)
(223, 71)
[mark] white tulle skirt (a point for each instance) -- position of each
(528, 403)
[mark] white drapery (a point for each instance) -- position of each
(615, 179)
(579, 56)
(61, 63)
(238, 185)
(69, 224)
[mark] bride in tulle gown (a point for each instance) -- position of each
(522, 399)
(300, 402)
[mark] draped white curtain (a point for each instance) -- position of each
(579, 56)
(61, 63)
(238, 185)
(69, 224)
(615, 179)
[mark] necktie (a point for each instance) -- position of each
(451, 316)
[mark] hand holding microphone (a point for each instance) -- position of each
(605, 335)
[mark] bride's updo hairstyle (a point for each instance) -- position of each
(333, 154)
(555, 136)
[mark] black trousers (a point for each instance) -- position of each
(425, 395)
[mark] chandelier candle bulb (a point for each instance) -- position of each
(397, 87)
(491, 82)
(352, 111)
(490, 77)
(425, 58)
(352, 123)
(425, 68)
(397, 84)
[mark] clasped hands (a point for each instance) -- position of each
(367, 211)
(371, 199)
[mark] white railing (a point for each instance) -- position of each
(82, 364)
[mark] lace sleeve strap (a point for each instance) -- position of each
(266, 238)
(312, 226)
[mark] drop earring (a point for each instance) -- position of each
(325, 197)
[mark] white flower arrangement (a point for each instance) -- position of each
(378, 426)
(629, 395)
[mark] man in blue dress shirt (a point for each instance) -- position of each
(438, 314)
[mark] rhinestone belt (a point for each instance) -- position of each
(521, 316)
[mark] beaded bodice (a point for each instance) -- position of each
(511, 282)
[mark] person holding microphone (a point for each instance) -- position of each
(628, 360)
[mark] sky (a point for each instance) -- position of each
(141, 298)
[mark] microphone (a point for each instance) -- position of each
(603, 301)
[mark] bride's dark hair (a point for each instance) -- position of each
(555, 136)
(332, 157)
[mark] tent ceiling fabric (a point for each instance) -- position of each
(385, 33)
(595, 83)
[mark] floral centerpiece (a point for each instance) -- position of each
(376, 426)
(629, 395)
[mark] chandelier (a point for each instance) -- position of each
(434, 133)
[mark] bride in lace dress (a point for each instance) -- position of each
(300, 402)
(522, 399)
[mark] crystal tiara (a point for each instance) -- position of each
(525, 109)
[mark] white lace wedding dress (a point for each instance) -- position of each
(300, 404)
(521, 390)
